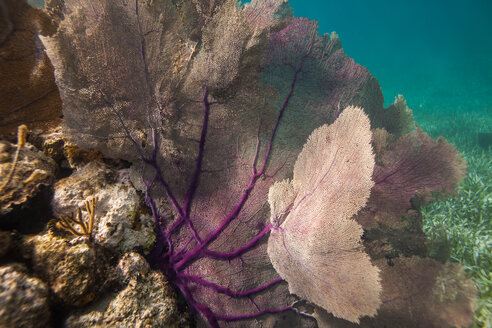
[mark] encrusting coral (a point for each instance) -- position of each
(147, 300)
(74, 271)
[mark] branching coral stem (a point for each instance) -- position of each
(241, 250)
(160, 179)
(123, 125)
(192, 255)
(213, 318)
(199, 159)
(284, 106)
(227, 291)
(198, 167)
(70, 222)
(159, 246)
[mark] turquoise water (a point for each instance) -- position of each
(438, 54)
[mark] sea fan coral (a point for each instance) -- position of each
(317, 248)
(212, 103)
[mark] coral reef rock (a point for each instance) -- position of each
(147, 301)
(131, 266)
(23, 299)
(32, 170)
(56, 145)
(74, 270)
(120, 223)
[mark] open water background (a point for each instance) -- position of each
(438, 54)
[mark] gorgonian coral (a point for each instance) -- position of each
(215, 103)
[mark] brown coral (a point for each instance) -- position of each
(28, 94)
(422, 292)
(77, 225)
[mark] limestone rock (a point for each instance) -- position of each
(148, 300)
(121, 223)
(23, 299)
(55, 144)
(131, 266)
(32, 170)
(74, 270)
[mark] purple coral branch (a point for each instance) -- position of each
(241, 250)
(152, 161)
(193, 254)
(403, 171)
(196, 175)
(174, 263)
(185, 216)
(176, 255)
(284, 106)
(160, 179)
(257, 150)
(202, 308)
(199, 159)
(212, 317)
(143, 56)
(162, 237)
(227, 291)
(125, 128)
(252, 315)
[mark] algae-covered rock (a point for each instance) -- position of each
(75, 271)
(148, 300)
(55, 144)
(23, 299)
(32, 170)
(131, 266)
(120, 219)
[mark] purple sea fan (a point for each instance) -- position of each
(212, 103)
